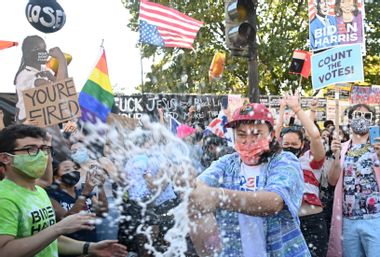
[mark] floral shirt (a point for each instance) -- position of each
(282, 175)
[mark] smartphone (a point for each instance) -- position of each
(374, 132)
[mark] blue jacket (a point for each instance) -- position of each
(282, 175)
(326, 40)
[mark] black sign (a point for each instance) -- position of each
(207, 107)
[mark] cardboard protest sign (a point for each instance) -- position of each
(336, 23)
(52, 103)
(340, 64)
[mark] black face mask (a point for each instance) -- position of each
(295, 151)
(71, 178)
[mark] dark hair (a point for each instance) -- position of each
(328, 123)
(27, 45)
(10, 134)
(294, 129)
(338, 10)
(357, 106)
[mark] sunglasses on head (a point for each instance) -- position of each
(246, 110)
(360, 114)
(292, 129)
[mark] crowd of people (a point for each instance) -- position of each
(277, 189)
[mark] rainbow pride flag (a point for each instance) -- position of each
(96, 98)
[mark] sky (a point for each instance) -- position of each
(88, 22)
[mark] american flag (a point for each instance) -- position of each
(174, 125)
(217, 127)
(164, 26)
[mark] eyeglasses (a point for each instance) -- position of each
(359, 114)
(33, 150)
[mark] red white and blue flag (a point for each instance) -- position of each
(167, 27)
(217, 127)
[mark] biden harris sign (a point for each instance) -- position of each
(337, 65)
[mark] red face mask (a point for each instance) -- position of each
(250, 153)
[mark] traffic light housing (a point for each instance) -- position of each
(240, 18)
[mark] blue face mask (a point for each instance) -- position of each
(80, 156)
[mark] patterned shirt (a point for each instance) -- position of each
(361, 192)
(282, 175)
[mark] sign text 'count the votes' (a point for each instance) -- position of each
(52, 103)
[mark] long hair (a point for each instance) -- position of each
(339, 12)
(27, 46)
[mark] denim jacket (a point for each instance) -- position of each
(282, 175)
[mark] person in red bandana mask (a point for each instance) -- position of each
(246, 203)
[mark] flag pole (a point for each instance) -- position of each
(337, 116)
(142, 70)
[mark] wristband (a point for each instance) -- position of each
(86, 246)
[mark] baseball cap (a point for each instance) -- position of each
(251, 112)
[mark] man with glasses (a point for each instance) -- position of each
(255, 193)
(355, 174)
(27, 221)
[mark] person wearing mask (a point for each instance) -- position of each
(67, 199)
(355, 223)
(311, 214)
(246, 203)
(27, 221)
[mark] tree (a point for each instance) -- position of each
(283, 27)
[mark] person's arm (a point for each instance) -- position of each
(335, 170)
(80, 202)
(280, 121)
(313, 109)
(106, 248)
(259, 203)
(62, 72)
(100, 202)
(190, 117)
(31, 245)
(161, 113)
(316, 145)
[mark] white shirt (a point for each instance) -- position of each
(251, 227)
(25, 80)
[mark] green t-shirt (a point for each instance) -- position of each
(25, 212)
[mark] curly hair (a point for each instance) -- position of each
(10, 134)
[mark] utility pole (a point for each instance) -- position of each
(241, 27)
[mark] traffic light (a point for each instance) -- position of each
(240, 20)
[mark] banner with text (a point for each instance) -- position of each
(336, 24)
(207, 107)
(52, 103)
(337, 65)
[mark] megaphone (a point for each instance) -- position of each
(52, 62)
